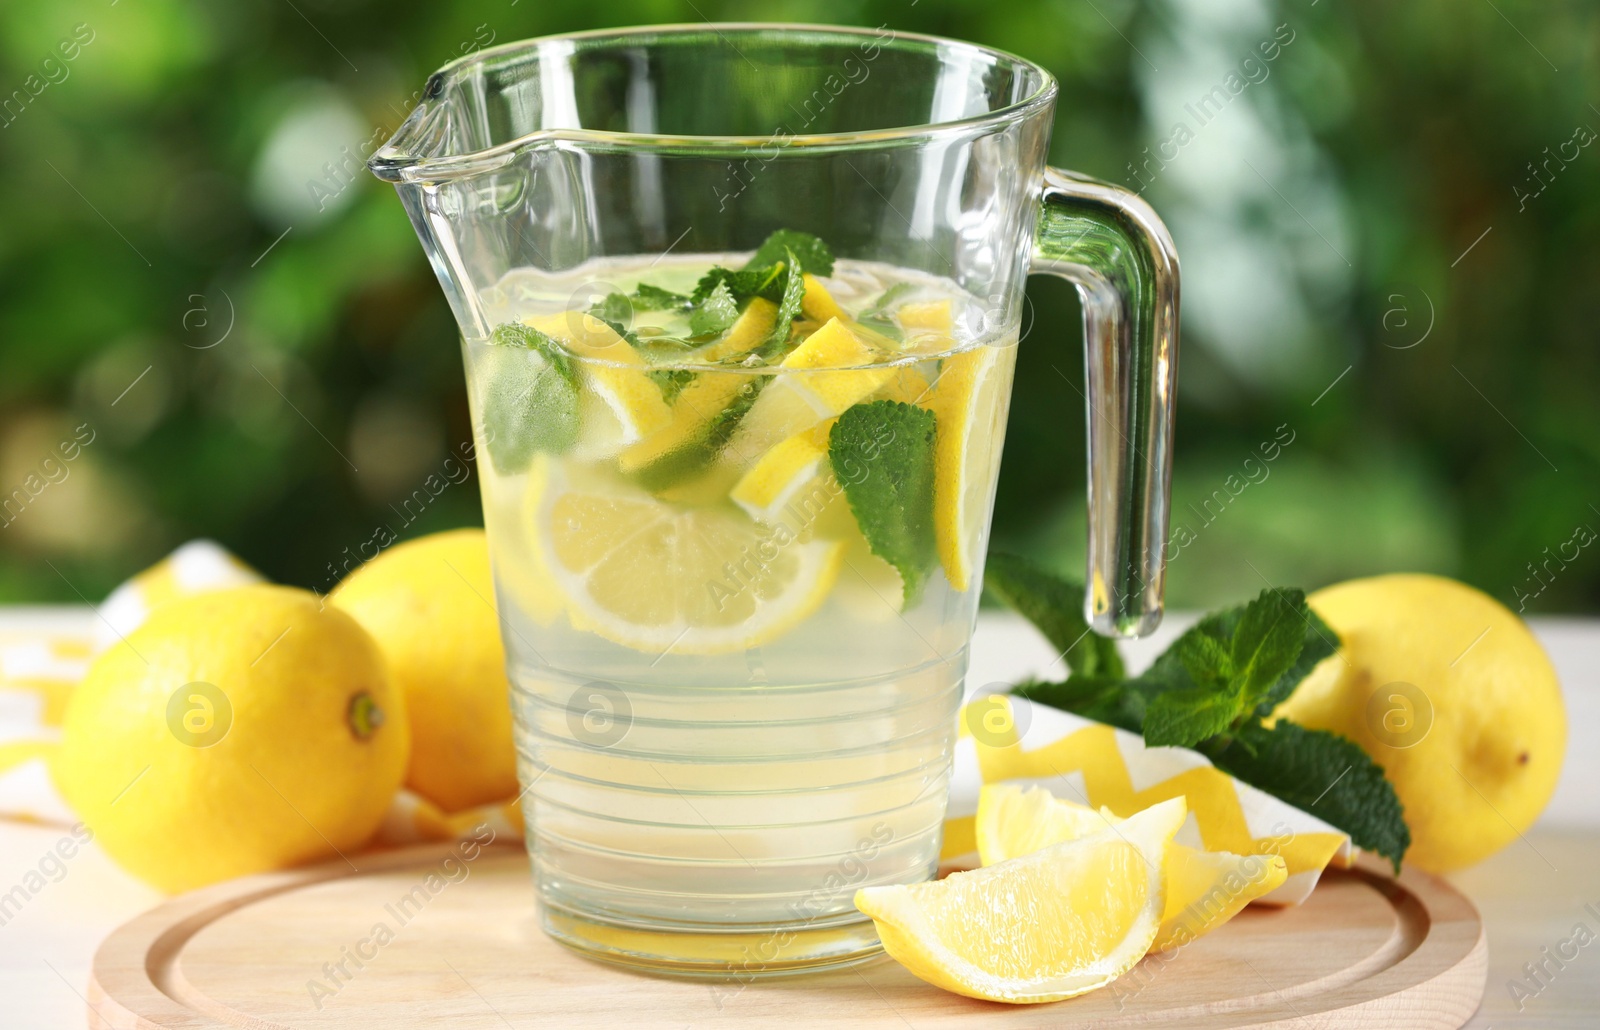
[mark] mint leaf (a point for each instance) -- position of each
(1055, 606)
(715, 313)
(1326, 775)
(1189, 663)
(654, 298)
(794, 291)
(807, 252)
(614, 309)
(1168, 672)
(882, 454)
(1267, 642)
(1206, 659)
(768, 282)
(671, 381)
(1184, 718)
(780, 282)
(768, 272)
(1321, 642)
(528, 396)
(526, 337)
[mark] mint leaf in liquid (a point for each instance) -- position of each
(528, 393)
(882, 454)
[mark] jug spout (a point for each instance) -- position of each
(485, 194)
(478, 113)
(422, 139)
(491, 169)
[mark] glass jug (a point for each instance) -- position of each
(740, 308)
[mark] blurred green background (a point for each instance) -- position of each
(1388, 238)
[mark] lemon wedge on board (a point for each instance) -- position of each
(1043, 927)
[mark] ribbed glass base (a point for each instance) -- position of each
(735, 954)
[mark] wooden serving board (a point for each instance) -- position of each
(466, 951)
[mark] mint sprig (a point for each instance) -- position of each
(1171, 673)
(744, 283)
(782, 283)
(1231, 671)
(1213, 690)
(775, 272)
(619, 307)
(617, 310)
(882, 454)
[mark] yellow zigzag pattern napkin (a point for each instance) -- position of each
(1001, 739)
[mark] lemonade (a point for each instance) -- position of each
(737, 517)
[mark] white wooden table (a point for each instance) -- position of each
(1532, 895)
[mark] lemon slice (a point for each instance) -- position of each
(659, 578)
(752, 326)
(931, 316)
(820, 379)
(969, 401)
(928, 325)
(1207, 888)
(708, 394)
(836, 347)
(618, 403)
(1047, 926)
(1204, 888)
(817, 303)
(791, 477)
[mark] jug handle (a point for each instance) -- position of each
(1108, 242)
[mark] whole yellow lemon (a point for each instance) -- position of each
(233, 732)
(1449, 691)
(430, 605)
